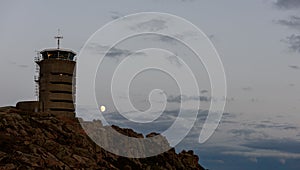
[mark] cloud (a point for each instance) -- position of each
(292, 22)
(247, 88)
(152, 25)
(294, 42)
(113, 52)
(294, 67)
(184, 98)
(117, 52)
(242, 132)
(282, 161)
(211, 36)
(218, 161)
(283, 145)
(23, 66)
(174, 60)
(291, 84)
(203, 91)
(174, 99)
(261, 153)
(280, 149)
(253, 100)
(287, 4)
(159, 125)
(167, 39)
(186, 35)
(115, 15)
(274, 125)
(253, 160)
(164, 121)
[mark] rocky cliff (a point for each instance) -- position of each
(44, 141)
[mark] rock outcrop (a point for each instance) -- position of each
(45, 141)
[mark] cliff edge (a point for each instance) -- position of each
(44, 141)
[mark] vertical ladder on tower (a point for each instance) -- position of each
(36, 74)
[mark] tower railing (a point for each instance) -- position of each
(36, 76)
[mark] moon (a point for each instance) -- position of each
(102, 108)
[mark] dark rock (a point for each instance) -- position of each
(45, 141)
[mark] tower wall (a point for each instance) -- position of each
(56, 86)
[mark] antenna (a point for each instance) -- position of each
(58, 37)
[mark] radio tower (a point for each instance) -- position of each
(56, 80)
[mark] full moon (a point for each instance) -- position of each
(102, 108)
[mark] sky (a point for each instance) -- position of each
(259, 45)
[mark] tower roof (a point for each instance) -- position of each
(59, 54)
(56, 50)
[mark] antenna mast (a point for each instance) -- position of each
(58, 37)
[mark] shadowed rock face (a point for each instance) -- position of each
(44, 141)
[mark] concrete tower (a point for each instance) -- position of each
(57, 80)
